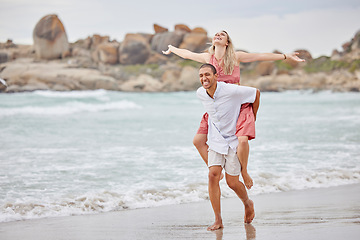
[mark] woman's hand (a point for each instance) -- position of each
(167, 52)
(293, 56)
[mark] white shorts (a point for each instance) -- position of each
(229, 162)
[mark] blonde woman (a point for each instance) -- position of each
(223, 57)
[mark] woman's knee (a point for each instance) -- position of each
(199, 140)
(243, 142)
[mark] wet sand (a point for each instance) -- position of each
(328, 213)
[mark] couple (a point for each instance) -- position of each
(227, 138)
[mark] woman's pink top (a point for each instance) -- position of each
(222, 77)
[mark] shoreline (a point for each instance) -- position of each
(322, 213)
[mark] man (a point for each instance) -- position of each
(222, 102)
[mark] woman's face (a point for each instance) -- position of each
(220, 38)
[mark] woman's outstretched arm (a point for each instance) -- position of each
(184, 53)
(252, 57)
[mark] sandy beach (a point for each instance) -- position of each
(327, 213)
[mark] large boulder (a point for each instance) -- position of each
(4, 57)
(170, 79)
(142, 83)
(182, 28)
(50, 39)
(29, 75)
(265, 68)
(156, 58)
(134, 49)
(304, 54)
(189, 79)
(97, 39)
(199, 30)
(106, 53)
(195, 42)
(161, 41)
(159, 29)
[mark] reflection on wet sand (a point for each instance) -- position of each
(249, 230)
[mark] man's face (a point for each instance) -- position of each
(207, 77)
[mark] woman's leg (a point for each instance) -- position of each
(243, 155)
(200, 144)
(237, 186)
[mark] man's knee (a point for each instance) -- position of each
(214, 175)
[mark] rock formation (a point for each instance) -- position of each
(107, 53)
(134, 49)
(159, 29)
(195, 42)
(50, 39)
(161, 41)
(137, 63)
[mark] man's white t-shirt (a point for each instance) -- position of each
(223, 112)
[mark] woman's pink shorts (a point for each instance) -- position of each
(245, 125)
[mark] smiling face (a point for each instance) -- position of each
(207, 78)
(220, 38)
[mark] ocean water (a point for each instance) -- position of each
(70, 153)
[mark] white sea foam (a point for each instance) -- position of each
(117, 200)
(69, 108)
(72, 94)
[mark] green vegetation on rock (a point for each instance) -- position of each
(187, 62)
(283, 66)
(325, 64)
(137, 69)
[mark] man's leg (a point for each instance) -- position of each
(243, 155)
(214, 194)
(240, 190)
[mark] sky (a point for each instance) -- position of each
(319, 26)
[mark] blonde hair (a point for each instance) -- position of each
(229, 60)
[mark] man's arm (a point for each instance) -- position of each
(256, 103)
(247, 95)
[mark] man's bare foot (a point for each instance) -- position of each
(217, 225)
(247, 179)
(249, 211)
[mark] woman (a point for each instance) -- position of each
(222, 55)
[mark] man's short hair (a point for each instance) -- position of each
(213, 69)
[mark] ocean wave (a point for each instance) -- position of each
(299, 180)
(72, 94)
(69, 108)
(117, 200)
(105, 201)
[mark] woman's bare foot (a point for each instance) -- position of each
(217, 225)
(247, 179)
(249, 211)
